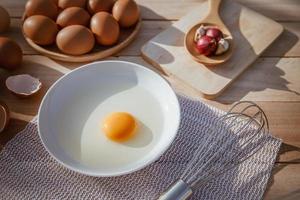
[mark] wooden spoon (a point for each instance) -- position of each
(212, 19)
(4, 116)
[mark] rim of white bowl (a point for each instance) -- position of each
(119, 173)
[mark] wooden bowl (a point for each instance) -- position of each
(99, 52)
(213, 18)
(190, 46)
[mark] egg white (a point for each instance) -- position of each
(96, 150)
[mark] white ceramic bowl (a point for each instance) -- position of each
(70, 102)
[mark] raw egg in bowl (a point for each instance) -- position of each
(108, 118)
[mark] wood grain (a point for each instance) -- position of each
(282, 83)
(287, 45)
(283, 119)
(40, 67)
(272, 82)
(167, 50)
(268, 79)
(281, 10)
(284, 183)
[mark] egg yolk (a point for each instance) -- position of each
(119, 126)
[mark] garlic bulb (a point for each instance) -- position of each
(223, 46)
(199, 33)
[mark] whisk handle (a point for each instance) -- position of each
(178, 191)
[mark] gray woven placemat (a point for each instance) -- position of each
(28, 172)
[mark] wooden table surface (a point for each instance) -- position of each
(273, 81)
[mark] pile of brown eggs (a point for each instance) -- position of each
(76, 25)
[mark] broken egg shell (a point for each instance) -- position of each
(4, 116)
(23, 85)
(223, 46)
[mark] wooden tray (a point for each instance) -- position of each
(252, 33)
(98, 52)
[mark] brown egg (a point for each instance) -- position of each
(4, 20)
(40, 29)
(10, 54)
(71, 3)
(105, 28)
(55, 2)
(75, 40)
(95, 6)
(41, 7)
(126, 12)
(73, 16)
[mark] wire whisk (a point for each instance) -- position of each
(234, 138)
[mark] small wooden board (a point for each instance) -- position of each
(252, 33)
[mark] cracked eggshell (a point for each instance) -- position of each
(4, 20)
(4, 116)
(23, 85)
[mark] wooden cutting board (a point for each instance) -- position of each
(252, 33)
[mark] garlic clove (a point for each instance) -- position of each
(201, 31)
(223, 46)
(23, 85)
(4, 116)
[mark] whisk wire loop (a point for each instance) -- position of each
(225, 153)
(233, 139)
